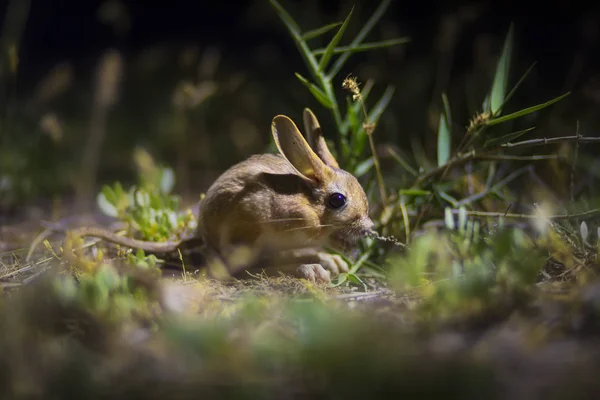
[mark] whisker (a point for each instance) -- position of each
(299, 228)
(282, 220)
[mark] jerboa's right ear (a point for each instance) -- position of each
(292, 145)
(314, 134)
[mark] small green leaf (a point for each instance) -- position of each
(498, 92)
(363, 167)
(105, 206)
(167, 180)
(351, 115)
(583, 231)
(462, 219)
(66, 287)
(109, 195)
(118, 190)
(449, 218)
(341, 279)
(365, 46)
(356, 280)
(320, 31)
(444, 135)
(506, 138)
(328, 53)
(108, 277)
(316, 92)
(142, 198)
(525, 111)
(172, 219)
(151, 259)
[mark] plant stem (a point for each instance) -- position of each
(380, 183)
(463, 158)
(489, 214)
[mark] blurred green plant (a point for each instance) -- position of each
(149, 209)
(106, 293)
(459, 273)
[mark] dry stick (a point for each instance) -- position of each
(381, 184)
(558, 217)
(476, 196)
(463, 158)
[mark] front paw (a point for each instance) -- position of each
(333, 263)
(314, 273)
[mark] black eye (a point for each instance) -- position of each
(336, 200)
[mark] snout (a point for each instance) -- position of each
(366, 225)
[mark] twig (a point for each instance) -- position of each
(472, 155)
(539, 157)
(558, 217)
(494, 188)
(545, 141)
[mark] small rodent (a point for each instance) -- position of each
(287, 205)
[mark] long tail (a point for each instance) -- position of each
(154, 247)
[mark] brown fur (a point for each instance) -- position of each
(279, 201)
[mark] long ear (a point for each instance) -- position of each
(314, 134)
(296, 150)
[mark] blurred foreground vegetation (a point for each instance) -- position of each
(483, 283)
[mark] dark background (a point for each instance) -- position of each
(453, 49)
(69, 29)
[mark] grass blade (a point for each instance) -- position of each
(501, 77)
(402, 162)
(316, 92)
(518, 84)
(506, 138)
(286, 18)
(363, 167)
(320, 31)
(352, 119)
(365, 46)
(447, 197)
(339, 63)
(336, 39)
(444, 136)
(525, 111)
(373, 117)
(294, 29)
(381, 105)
